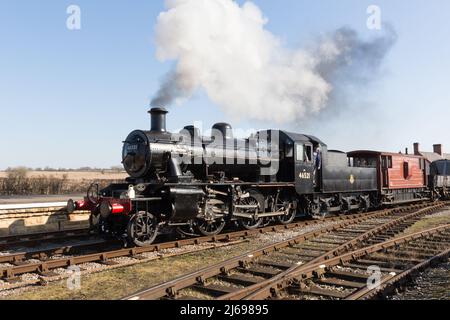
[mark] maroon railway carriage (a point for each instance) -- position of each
(401, 177)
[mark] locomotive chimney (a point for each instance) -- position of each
(158, 116)
(437, 148)
(416, 149)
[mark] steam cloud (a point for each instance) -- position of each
(224, 49)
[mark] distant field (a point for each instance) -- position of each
(74, 175)
(24, 182)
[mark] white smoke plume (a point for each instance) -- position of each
(224, 49)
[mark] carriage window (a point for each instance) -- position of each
(406, 170)
(383, 162)
(390, 162)
(300, 152)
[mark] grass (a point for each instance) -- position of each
(118, 283)
(432, 221)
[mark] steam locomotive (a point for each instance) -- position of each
(197, 185)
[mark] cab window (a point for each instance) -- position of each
(351, 162)
(289, 150)
(300, 153)
(308, 153)
(366, 162)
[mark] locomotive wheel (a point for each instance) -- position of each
(255, 199)
(142, 229)
(251, 224)
(210, 228)
(266, 222)
(286, 206)
(365, 205)
(345, 207)
(319, 210)
(213, 223)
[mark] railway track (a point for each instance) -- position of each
(15, 264)
(258, 270)
(37, 238)
(371, 272)
(12, 266)
(32, 240)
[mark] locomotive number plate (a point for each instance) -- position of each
(305, 175)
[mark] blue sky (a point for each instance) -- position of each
(69, 98)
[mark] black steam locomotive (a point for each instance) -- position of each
(197, 185)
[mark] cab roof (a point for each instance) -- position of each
(297, 137)
(380, 153)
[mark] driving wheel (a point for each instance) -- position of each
(142, 229)
(213, 222)
(251, 205)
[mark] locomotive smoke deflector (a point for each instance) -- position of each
(158, 118)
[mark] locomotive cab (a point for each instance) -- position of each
(297, 161)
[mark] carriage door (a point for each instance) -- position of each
(385, 165)
(304, 168)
